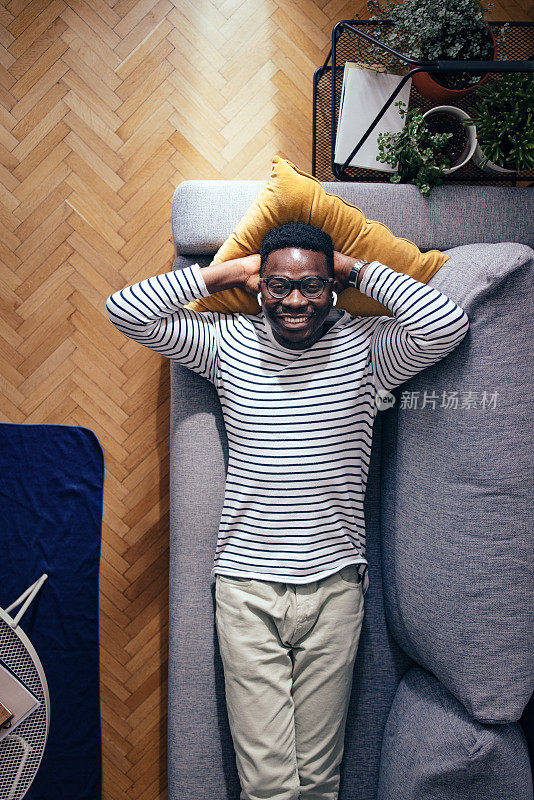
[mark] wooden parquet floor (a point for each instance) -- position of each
(105, 106)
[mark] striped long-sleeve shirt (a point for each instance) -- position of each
(299, 422)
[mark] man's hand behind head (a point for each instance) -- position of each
(251, 273)
(236, 273)
(342, 268)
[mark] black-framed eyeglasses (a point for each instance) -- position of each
(312, 286)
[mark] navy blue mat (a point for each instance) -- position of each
(51, 487)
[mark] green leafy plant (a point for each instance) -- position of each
(503, 113)
(431, 30)
(415, 152)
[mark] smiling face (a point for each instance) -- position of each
(297, 321)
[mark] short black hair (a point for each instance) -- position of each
(301, 235)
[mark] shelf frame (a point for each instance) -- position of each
(432, 67)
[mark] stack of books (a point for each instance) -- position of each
(363, 94)
(16, 702)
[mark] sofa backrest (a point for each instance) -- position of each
(204, 213)
(457, 486)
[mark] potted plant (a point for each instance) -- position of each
(418, 155)
(463, 142)
(503, 112)
(432, 30)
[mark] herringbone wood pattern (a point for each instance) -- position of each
(105, 106)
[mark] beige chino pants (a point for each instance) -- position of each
(288, 653)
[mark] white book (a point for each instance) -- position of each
(14, 696)
(363, 94)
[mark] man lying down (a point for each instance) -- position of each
(298, 385)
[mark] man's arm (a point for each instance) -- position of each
(426, 324)
(243, 273)
(152, 311)
(342, 268)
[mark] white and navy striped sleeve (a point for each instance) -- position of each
(151, 312)
(425, 327)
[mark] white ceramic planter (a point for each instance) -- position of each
(471, 131)
(490, 167)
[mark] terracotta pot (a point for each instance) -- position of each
(428, 87)
(470, 130)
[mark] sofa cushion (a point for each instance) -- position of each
(433, 750)
(291, 195)
(457, 493)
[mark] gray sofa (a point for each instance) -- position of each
(445, 669)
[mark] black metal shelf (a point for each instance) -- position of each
(351, 41)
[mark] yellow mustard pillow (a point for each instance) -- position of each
(294, 196)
